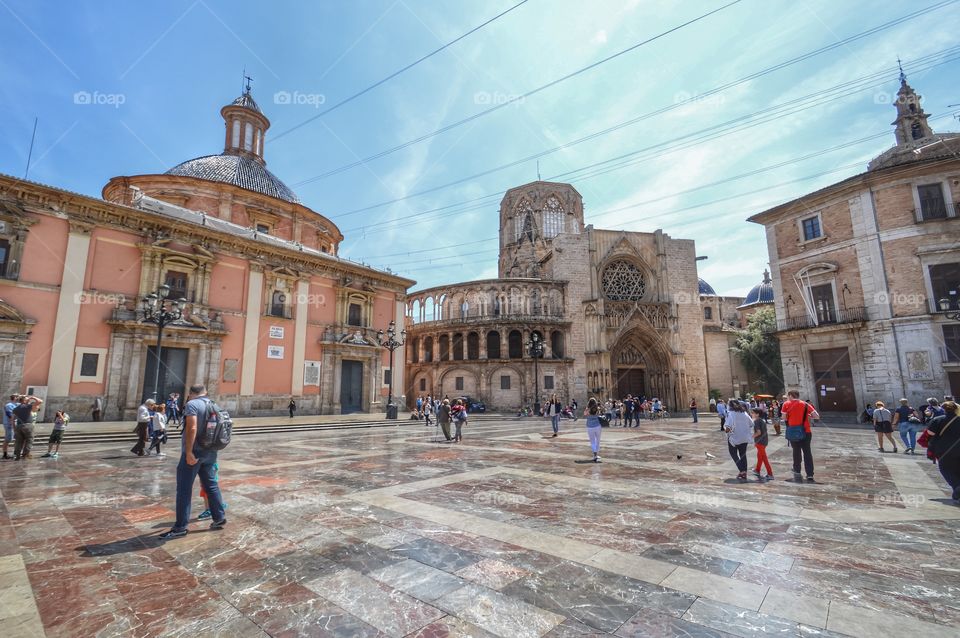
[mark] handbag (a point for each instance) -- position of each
(604, 420)
(797, 432)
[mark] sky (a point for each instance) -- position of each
(124, 88)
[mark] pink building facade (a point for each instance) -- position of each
(271, 311)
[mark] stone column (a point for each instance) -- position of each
(68, 310)
(300, 336)
(251, 330)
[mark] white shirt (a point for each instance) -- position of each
(741, 427)
(143, 414)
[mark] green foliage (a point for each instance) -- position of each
(759, 351)
(715, 394)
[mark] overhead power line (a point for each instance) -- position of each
(394, 74)
(679, 104)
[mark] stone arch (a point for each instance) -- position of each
(506, 398)
(494, 350)
(473, 345)
(428, 349)
(642, 362)
(448, 386)
(515, 344)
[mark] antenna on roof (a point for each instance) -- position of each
(30, 152)
(903, 76)
(538, 170)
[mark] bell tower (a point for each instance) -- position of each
(531, 216)
(246, 126)
(911, 123)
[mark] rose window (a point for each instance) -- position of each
(622, 281)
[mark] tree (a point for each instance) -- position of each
(759, 350)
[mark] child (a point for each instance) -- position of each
(59, 425)
(159, 433)
(761, 439)
(205, 514)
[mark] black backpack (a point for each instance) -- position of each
(215, 428)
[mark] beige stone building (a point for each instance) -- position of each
(863, 269)
(618, 312)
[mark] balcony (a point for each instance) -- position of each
(833, 318)
(475, 316)
(950, 353)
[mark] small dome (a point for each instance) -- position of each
(938, 147)
(246, 101)
(706, 289)
(237, 170)
(761, 293)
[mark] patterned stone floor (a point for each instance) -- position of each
(385, 533)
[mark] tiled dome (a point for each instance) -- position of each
(706, 289)
(237, 170)
(761, 293)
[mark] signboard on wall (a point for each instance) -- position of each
(311, 373)
(276, 332)
(919, 365)
(274, 352)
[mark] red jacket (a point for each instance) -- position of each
(793, 413)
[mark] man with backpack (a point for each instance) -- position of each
(798, 416)
(206, 430)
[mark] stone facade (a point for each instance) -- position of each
(860, 269)
(619, 312)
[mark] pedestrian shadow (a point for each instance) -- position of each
(133, 544)
(946, 501)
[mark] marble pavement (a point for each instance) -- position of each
(383, 532)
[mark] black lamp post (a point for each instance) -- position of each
(945, 305)
(391, 344)
(163, 311)
(535, 348)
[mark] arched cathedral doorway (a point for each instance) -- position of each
(641, 366)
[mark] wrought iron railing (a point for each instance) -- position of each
(834, 316)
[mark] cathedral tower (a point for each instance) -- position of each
(911, 123)
(530, 217)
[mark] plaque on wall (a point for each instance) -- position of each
(274, 352)
(919, 367)
(230, 367)
(311, 373)
(276, 332)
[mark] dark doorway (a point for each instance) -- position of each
(822, 297)
(630, 381)
(493, 345)
(954, 380)
(173, 372)
(833, 378)
(351, 386)
(515, 344)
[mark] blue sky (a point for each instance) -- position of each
(159, 73)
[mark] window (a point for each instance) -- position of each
(428, 349)
(548, 382)
(493, 345)
(945, 284)
(458, 383)
(355, 315)
(387, 376)
(556, 344)
(473, 346)
(414, 347)
(4, 256)
(177, 281)
(263, 228)
(458, 347)
(932, 203)
(423, 385)
(278, 304)
(623, 281)
(505, 382)
(823, 304)
(515, 344)
(708, 313)
(444, 348)
(89, 362)
(523, 221)
(951, 341)
(916, 130)
(552, 218)
(811, 228)
(235, 134)
(248, 138)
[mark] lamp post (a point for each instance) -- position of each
(535, 348)
(945, 305)
(163, 311)
(391, 343)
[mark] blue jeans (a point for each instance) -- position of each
(186, 475)
(908, 433)
(555, 422)
(693, 413)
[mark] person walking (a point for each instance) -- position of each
(594, 427)
(883, 426)
(553, 410)
(60, 422)
(97, 409)
(722, 413)
(459, 415)
(906, 421)
(739, 428)
(944, 443)
(292, 407)
(761, 439)
(194, 461)
(443, 415)
(144, 416)
(8, 423)
(776, 416)
(799, 413)
(693, 410)
(158, 431)
(172, 409)
(25, 416)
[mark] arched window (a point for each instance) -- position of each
(553, 217)
(444, 348)
(493, 345)
(515, 344)
(707, 312)
(473, 346)
(235, 134)
(429, 313)
(427, 349)
(415, 350)
(416, 311)
(278, 304)
(458, 347)
(556, 344)
(523, 221)
(916, 131)
(247, 138)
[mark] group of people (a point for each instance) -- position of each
(907, 420)
(445, 413)
(152, 421)
(19, 421)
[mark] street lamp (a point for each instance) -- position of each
(163, 311)
(535, 348)
(945, 305)
(391, 344)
